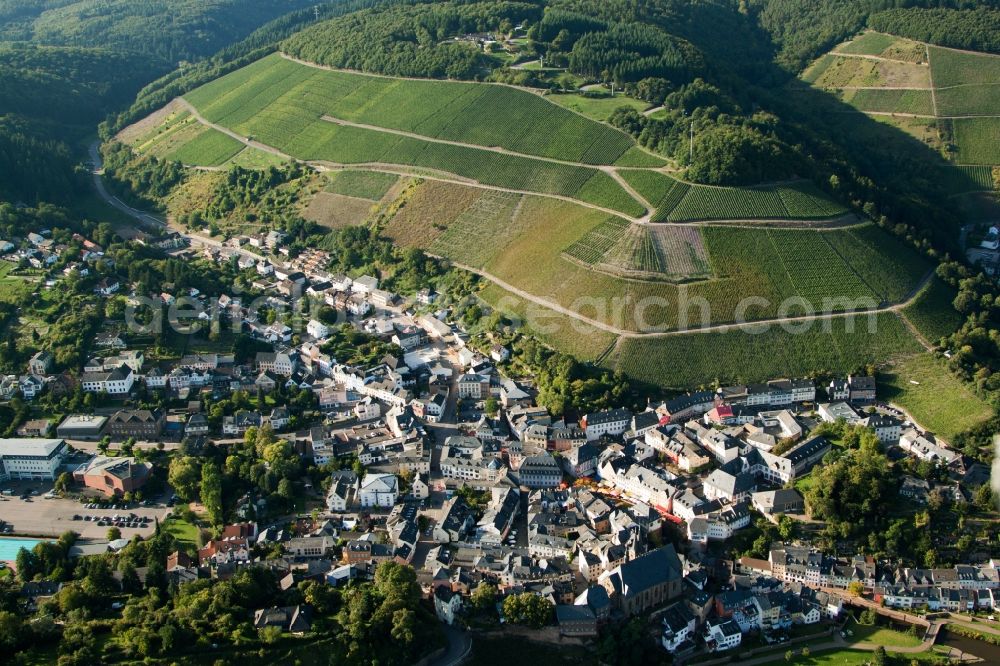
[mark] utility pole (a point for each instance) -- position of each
(691, 147)
(316, 11)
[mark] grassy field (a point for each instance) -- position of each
(932, 313)
(248, 99)
(336, 210)
(596, 107)
(371, 185)
(835, 71)
(884, 636)
(254, 158)
(12, 287)
(185, 533)
(924, 386)
(849, 657)
(677, 201)
(698, 359)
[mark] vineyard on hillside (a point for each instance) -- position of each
(932, 313)
(485, 115)
(699, 359)
(677, 201)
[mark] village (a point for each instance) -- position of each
(442, 462)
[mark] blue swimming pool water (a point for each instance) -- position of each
(9, 547)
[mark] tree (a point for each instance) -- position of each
(528, 609)
(114, 534)
(856, 588)
(11, 631)
(483, 598)
(211, 492)
(491, 406)
(183, 475)
(270, 635)
(63, 483)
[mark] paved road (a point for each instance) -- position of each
(97, 172)
(459, 648)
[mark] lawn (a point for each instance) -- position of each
(596, 107)
(849, 657)
(884, 636)
(185, 533)
(939, 401)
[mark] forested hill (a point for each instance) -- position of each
(166, 30)
(719, 69)
(66, 64)
(52, 97)
(805, 29)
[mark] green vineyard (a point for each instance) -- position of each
(485, 115)
(839, 345)
(677, 201)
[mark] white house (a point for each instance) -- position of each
(378, 490)
(317, 329)
(116, 382)
(609, 422)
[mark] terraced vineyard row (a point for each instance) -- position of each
(681, 250)
(979, 176)
(208, 148)
(932, 313)
(481, 230)
(838, 346)
(890, 100)
(593, 245)
(677, 201)
(485, 115)
(889, 267)
(326, 141)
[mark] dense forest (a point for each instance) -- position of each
(66, 64)
(804, 29)
(410, 40)
(166, 30)
(52, 98)
(976, 29)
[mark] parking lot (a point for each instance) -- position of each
(38, 516)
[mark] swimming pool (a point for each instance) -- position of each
(10, 547)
